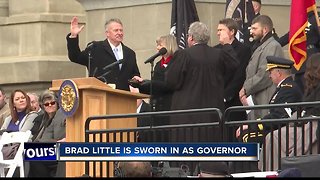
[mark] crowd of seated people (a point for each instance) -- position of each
(40, 115)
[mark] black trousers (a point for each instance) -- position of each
(43, 168)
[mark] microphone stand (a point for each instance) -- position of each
(89, 63)
(152, 104)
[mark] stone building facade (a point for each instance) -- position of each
(32, 33)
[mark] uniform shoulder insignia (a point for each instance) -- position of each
(286, 85)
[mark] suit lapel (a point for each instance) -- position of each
(107, 47)
(125, 55)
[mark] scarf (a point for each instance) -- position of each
(164, 62)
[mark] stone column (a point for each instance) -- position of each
(33, 45)
(4, 10)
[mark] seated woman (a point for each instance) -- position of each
(49, 103)
(21, 116)
(20, 119)
(303, 132)
(49, 127)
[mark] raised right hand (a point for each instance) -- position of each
(75, 29)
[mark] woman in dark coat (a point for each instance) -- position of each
(160, 93)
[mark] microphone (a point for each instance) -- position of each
(94, 72)
(162, 51)
(120, 61)
(90, 45)
(103, 79)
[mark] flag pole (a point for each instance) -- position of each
(315, 11)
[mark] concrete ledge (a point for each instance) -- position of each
(37, 87)
(90, 5)
(39, 71)
(110, 4)
(31, 18)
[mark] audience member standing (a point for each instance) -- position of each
(258, 85)
(233, 81)
(4, 107)
(99, 54)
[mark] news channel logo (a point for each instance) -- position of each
(40, 151)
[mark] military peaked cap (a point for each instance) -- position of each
(278, 62)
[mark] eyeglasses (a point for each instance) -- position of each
(49, 103)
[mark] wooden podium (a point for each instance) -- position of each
(96, 98)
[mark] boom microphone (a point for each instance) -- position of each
(162, 51)
(120, 61)
(91, 45)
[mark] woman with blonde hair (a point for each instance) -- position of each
(160, 93)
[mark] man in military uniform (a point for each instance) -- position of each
(287, 92)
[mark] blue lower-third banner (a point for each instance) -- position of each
(40, 151)
(158, 152)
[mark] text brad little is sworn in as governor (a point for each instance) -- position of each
(155, 150)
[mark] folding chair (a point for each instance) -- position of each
(17, 161)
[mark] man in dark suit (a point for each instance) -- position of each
(99, 54)
(234, 80)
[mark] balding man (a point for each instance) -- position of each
(34, 100)
(134, 169)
